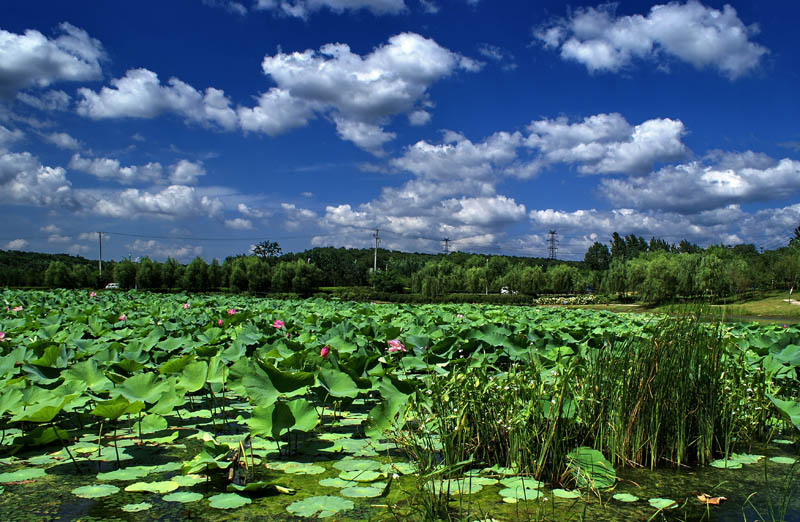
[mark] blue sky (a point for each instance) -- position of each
(199, 128)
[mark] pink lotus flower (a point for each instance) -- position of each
(277, 323)
(231, 311)
(185, 306)
(396, 346)
(2, 336)
(460, 316)
(17, 309)
(219, 322)
(92, 294)
(123, 317)
(324, 352)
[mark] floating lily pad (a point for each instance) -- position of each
(188, 480)
(746, 458)
(519, 493)
(625, 497)
(782, 460)
(782, 441)
(95, 491)
(361, 492)
(403, 468)
(360, 476)
(135, 508)
(663, 503)
(321, 506)
(42, 460)
(228, 501)
(726, 464)
(297, 468)
(169, 466)
(183, 497)
(130, 473)
(563, 493)
(521, 482)
(336, 482)
(22, 474)
(357, 465)
(463, 486)
(163, 486)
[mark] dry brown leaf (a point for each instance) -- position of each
(712, 501)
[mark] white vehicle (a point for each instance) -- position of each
(112, 286)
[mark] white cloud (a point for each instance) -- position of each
(228, 5)
(53, 100)
(9, 136)
(186, 172)
(499, 55)
(419, 117)
(23, 180)
(16, 244)
(696, 186)
(57, 238)
(51, 229)
(33, 60)
(110, 170)
(277, 112)
(239, 224)
(691, 32)
(77, 249)
(429, 6)
(158, 250)
(250, 212)
(307, 194)
(607, 143)
(365, 135)
(62, 140)
(175, 201)
(140, 94)
(302, 8)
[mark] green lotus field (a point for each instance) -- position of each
(137, 406)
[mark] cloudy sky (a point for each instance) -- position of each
(189, 128)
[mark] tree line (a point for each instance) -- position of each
(628, 266)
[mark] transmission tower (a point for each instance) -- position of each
(446, 245)
(375, 260)
(552, 244)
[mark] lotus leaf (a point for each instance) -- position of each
(135, 508)
(228, 501)
(663, 503)
(183, 497)
(625, 497)
(320, 506)
(95, 491)
(361, 491)
(563, 493)
(163, 486)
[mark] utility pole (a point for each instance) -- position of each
(100, 262)
(446, 245)
(551, 245)
(375, 260)
(487, 275)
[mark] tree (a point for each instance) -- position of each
(386, 281)
(306, 278)
(125, 273)
(170, 273)
(195, 279)
(57, 275)
(259, 274)
(597, 257)
(148, 274)
(267, 250)
(238, 280)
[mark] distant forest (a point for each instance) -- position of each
(653, 271)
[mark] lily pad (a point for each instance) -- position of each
(726, 464)
(625, 497)
(162, 486)
(336, 482)
(321, 506)
(188, 480)
(357, 465)
(22, 474)
(228, 501)
(361, 492)
(563, 493)
(130, 473)
(95, 491)
(360, 476)
(782, 441)
(135, 508)
(521, 482)
(746, 458)
(663, 503)
(519, 493)
(463, 486)
(297, 468)
(183, 497)
(782, 460)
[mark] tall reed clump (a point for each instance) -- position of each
(675, 395)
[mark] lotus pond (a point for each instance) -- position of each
(135, 406)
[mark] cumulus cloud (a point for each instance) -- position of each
(186, 172)
(228, 5)
(158, 250)
(8, 136)
(33, 60)
(109, 169)
(140, 94)
(24, 180)
(419, 117)
(365, 135)
(607, 143)
(239, 224)
(303, 8)
(499, 55)
(175, 201)
(690, 32)
(277, 112)
(250, 212)
(695, 186)
(76, 249)
(62, 140)
(53, 100)
(16, 244)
